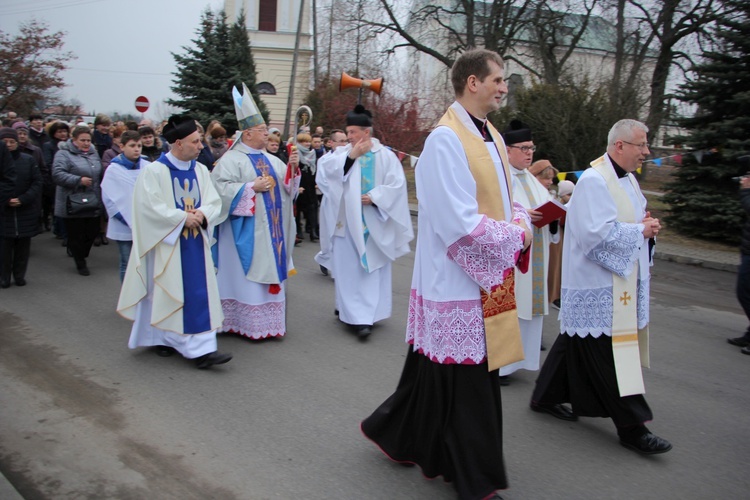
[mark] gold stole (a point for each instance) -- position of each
(629, 344)
(502, 333)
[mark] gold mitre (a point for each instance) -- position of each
(248, 115)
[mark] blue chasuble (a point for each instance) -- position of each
(244, 227)
(196, 316)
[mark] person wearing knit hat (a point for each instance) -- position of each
(20, 213)
(531, 287)
(366, 224)
(256, 241)
(544, 172)
(217, 141)
(170, 290)
(25, 145)
(565, 190)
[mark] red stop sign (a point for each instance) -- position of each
(141, 104)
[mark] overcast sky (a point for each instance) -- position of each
(123, 47)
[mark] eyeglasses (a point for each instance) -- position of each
(262, 130)
(641, 146)
(525, 149)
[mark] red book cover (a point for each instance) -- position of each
(551, 211)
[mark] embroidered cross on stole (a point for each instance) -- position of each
(629, 343)
(537, 254)
(502, 333)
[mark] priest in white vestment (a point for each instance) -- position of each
(445, 414)
(595, 363)
(255, 242)
(531, 287)
(365, 188)
(170, 289)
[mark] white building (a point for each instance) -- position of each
(272, 29)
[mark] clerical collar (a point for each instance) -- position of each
(180, 164)
(482, 127)
(621, 173)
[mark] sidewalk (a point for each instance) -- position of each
(712, 259)
(683, 254)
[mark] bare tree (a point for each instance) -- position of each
(456, 25)
(673, 23)
(558, 28)
(31, 66)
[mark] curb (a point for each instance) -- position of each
(693, 261)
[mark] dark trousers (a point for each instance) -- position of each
(308, 207)
(743, 287)
(81, 234)
(581, 371)
(15, 258)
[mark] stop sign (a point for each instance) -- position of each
(141, 104)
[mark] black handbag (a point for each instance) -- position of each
(82, 204)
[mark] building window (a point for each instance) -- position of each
(267, 15)
(265, 88)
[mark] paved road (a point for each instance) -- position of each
(81, 416)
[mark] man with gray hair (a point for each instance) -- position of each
(595, 364)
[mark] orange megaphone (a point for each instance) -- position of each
(348, 82)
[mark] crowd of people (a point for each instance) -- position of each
(206, 228)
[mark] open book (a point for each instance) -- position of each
(551, 211)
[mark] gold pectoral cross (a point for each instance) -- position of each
(625, 298)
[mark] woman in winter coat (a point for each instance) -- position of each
(77, 168)
(21, 214)
(58, 132)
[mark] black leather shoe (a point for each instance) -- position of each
(164, 351)
(211, 359)
(739, 341)
(324, 270)
(84, 270)
(4, 284)
(21, 282)
(505, 380)
(745, 350)
(558, 411)
(363, 331)
(647, 444)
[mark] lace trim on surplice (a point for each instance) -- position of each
(447, 332)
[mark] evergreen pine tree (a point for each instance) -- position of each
(205, 75)
(703, 197)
